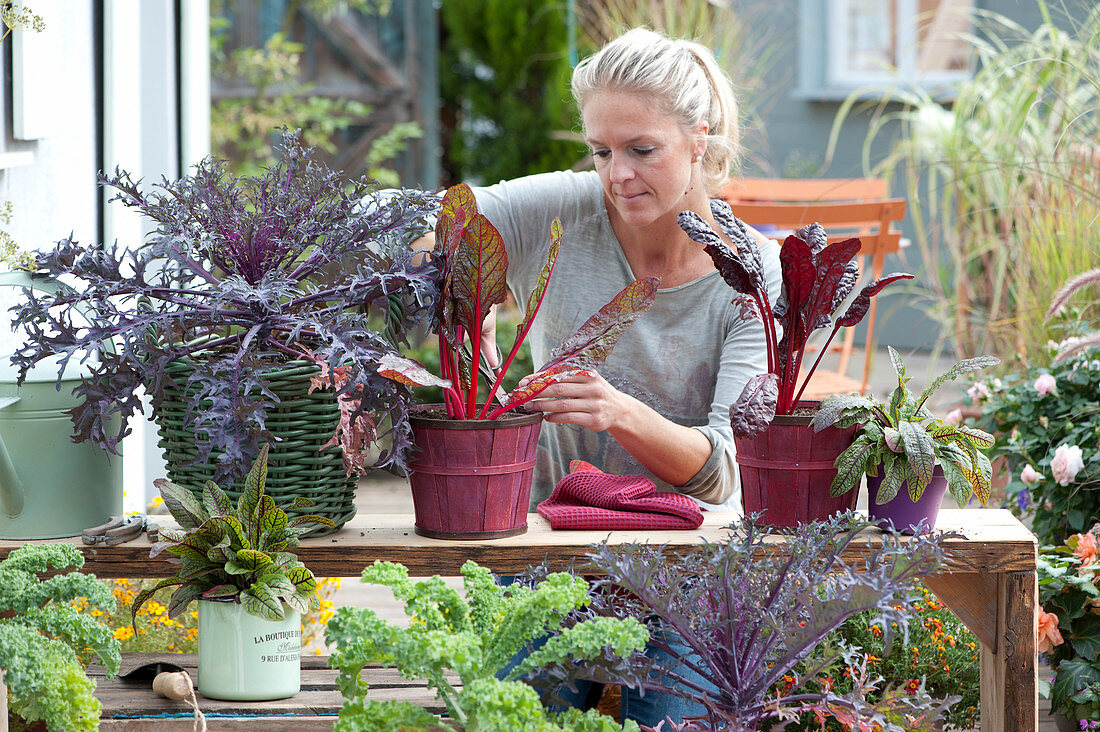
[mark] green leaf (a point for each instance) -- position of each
(962, 367)
(233, 530)
(850, 466)
(215, 501)
(253, 487)
(1070, 676)
(260, 601)
(960, 487)
(273, 527)
(303, 579)
(892, 478)
(248, 561)
(978, 438)
(920, 452)
(183, 596)
(835, 405)
(222, 590)
(181, 503)
(1085, 637)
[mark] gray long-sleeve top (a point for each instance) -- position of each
(688, 358)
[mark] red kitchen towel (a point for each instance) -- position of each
(589, 498)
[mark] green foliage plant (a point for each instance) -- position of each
(46, 643)
(473, 637)
(504, 88)
(1069, 588)
(1031, 424)
(1002, 185)
(904, 440)
(240, 553)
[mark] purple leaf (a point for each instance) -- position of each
(754, 409)
(862, 302)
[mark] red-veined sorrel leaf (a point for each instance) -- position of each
(862, 303)
(754, 409)
(590, 345)
(408, 372)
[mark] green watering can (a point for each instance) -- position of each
(50, 487)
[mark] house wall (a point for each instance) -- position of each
(798, 130)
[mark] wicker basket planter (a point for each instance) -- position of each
(296, 467)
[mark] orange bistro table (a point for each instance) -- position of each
(989, 578)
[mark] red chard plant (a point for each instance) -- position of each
(474, 269)
(238, 276)
(817, 278)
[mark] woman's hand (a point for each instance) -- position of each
(488, 343)
(583, 399)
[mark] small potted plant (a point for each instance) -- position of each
(46, 642)
(471, 478)
(222, 315)
(237, 561)
(785, 465)
(901, 444)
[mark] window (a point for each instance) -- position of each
(853, 44)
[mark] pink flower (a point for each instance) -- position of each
(954, 417)
(1045, 384)
(1066, 463)
(1085, 549)
(1030, 475)
(1049, 635)
(978, 392)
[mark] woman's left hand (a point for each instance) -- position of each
(583, 399)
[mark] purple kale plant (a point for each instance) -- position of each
(238, 276)
(817, 279)
(737, 616)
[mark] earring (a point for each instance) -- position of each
(697, 158)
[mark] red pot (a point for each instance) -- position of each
(786, 471)
(471, 479)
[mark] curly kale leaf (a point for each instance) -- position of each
(460, 644)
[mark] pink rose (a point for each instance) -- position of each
(1045, 384)
(1066, 463)
(978, 392)
(954, 417)
(1030, 475)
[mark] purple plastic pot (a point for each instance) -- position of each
(906, 514)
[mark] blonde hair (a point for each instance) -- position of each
(680, 76)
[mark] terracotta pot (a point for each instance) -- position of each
(471, 479)
(786, 470)
(905, 513)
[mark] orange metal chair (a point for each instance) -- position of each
(846, 208)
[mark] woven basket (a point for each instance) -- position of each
(296, 465)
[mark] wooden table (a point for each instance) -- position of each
(989, 579)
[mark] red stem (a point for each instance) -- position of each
(813, 368)
(512, 405)
(475, 355)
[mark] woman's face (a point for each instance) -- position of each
(643, 156)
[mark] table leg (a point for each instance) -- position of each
(1001, 609)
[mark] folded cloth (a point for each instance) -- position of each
(588, 498)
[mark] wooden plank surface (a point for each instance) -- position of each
(992, 540)
(130, 704)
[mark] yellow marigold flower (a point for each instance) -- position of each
(97, 613)
(124, 633)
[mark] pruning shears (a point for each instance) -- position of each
(121, 529)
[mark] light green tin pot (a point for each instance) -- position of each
(247, 658)
(50, 487)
